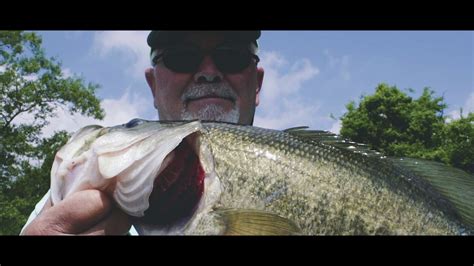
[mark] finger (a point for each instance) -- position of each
(76, 214)
(117, 223)
(30, 228)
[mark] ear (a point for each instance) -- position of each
(150, 79)
(260, 74)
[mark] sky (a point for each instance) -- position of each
(309, 75)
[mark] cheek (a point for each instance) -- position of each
(170, 87)
(245, 87)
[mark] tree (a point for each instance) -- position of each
(398, 125)
(458, 143)
(32, 85)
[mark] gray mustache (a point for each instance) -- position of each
(200, 91)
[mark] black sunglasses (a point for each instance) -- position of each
(187, 59)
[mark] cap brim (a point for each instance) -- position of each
(158, 39)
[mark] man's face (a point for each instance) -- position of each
(207, 93)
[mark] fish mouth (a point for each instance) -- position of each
(178, 188)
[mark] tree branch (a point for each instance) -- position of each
(17, 113)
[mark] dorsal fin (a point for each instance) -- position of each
(456, 185)
(329, 138)
(453, 183)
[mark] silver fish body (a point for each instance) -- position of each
(263, 181)
(322, 188)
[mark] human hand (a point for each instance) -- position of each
(88, 212)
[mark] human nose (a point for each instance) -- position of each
(208, 72)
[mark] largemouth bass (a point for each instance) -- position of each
(196, 177)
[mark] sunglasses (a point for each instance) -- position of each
(187, 59)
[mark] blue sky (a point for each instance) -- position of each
(309, 74)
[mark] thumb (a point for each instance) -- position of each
(78, 212)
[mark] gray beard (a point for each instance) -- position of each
(213, 112)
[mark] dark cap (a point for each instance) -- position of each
(157, 39)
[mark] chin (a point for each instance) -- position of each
(213, 113)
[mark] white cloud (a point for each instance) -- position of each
(66, 72)
(31, 77)
(467, 108)
(277, 84)
(291, 113)
(2, 68)
(339, 64)
(118, 111)
(469, 105)
(281, 103)
(336, 127)
(128, 44)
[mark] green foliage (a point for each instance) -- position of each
(458, 143)
(32, 86)
(398, 125)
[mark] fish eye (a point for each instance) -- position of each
(134, 122)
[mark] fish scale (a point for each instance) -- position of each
(264, 181)
(374, 191)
